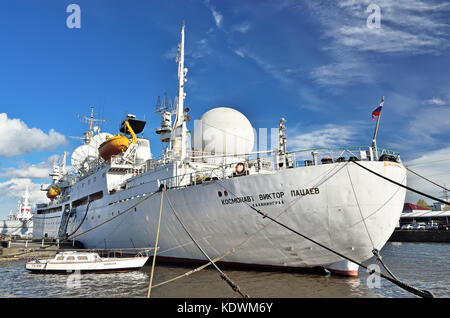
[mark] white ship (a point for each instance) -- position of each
(20, 222)
(112, 200)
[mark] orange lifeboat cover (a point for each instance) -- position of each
(53, 192)
(113, 146)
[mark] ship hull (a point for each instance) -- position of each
(15, 227)
(339, 205)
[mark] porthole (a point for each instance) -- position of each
(219, 193)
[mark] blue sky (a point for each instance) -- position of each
(315, 63)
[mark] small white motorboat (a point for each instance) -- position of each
(86, 262)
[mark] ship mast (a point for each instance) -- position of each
(26, 197)
(178, 138)
(89, 134)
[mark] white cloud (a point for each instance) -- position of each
(408, 27)
(343, 73)
(275, 71)
(239, 52)
(198, 49)
(201, 49)
(435, 101)
(17, 138)
(218, 17)
(34, 171)
(329, 136)
(15, 188)
(388, 40)
(430, 121)
(241, 28)
(310, 101)
(434, 165)
(171, 53)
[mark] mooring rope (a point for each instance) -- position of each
(375, 251)
(230, 251)
(401, 185)
(426, 179)
(116, 216)
(242, 243)
(416, 291)
(380, 259)
(156, 246)
(82, 221)
(222, 274)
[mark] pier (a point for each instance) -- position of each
(435, 236)
(13, 250)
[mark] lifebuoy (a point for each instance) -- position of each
(240, 168)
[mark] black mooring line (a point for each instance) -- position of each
(418, 292)
(401, 185)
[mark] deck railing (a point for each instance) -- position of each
(298, 158)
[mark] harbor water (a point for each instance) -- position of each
(423, 265)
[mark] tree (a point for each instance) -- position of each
(422, 203)
(446, 208)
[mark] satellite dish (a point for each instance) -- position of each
(98, 139)
(83, 156)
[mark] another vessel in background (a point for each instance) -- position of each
(20, 221)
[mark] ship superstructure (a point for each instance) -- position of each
(113, 197)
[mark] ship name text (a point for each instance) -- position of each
(303, 192)
(278, 196)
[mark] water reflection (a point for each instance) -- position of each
(422, 265)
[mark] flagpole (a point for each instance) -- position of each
(374, 140)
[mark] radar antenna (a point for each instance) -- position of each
(90, 120)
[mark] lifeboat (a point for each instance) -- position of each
(53, 192)
(117, 144)
(113, 146)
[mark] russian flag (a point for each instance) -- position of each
(376, 112)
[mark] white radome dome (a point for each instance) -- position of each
(225, 130)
